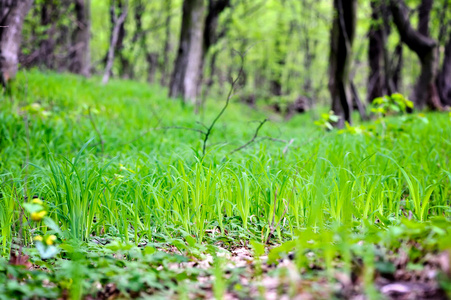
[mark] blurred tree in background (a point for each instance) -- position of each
(292, 49)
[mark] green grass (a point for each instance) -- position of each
(105, 166)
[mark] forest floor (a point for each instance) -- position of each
(106, 192)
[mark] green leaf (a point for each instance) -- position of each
(259, 248)
(190, 240)
(52, 225)
(149, 250)
(334, 118)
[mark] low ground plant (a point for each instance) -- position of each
(106, 194)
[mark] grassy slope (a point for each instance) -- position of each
(151, 185)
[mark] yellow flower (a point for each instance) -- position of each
(37, 201)
(38, 238)
(50, 240)
(38, 216)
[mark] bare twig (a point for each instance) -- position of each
(251, 140)
(229, 96)
(202, 124)
(273, 139)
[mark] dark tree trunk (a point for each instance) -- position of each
(425, 91)
(389, 71)
(185, 76)
(81, 57)
(167, 43)
(375, 54)
(342, 37)
(12, 16)
(382, 73)
(397, 62)
(444, 78)
(424, 16)
(211, 36)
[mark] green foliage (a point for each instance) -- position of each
(395, 103)
(327, 120)
(359, 129)
(119, 186)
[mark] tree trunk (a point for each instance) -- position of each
(81, 58)
(342, 37)
(375, 54)
(397, 76)
(382, 74)
(444, 78)
(185, 76)
(117, 23)
(425, 91)
(12, 16)
(211, 36)
(424, 16)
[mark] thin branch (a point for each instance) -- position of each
(251, 140)
(202, 124)
(229, 96)
(273, 139)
